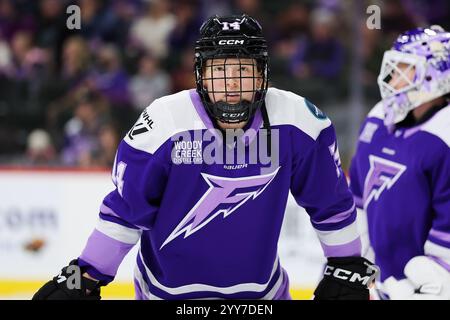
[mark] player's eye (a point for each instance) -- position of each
(247, 68)
(218, 68)
(394, 73)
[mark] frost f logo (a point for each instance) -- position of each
(223, 196)
(383, 174)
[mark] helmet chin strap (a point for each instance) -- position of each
(265, 117)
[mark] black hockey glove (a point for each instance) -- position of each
(61, 289)
(346, 278)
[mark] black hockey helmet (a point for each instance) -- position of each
(239, 37)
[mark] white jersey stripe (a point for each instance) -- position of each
(118, 232)
(339, 237)
(198, 287)
(433, 249)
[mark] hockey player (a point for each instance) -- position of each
(400, 174)
(209, 229)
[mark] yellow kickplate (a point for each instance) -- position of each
(10, 289)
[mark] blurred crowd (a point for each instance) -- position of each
(67, 97)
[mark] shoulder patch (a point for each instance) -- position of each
(143, 125)
(164, 118)
(368, 131)
(319, 114)
(288, 108)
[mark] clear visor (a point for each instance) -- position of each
(400, 72)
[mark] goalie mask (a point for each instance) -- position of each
(415, 71)
(231, 67)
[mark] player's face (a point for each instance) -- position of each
(399, 81)
(231, 80)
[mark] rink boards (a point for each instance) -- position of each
(46, 217)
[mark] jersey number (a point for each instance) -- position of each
(119, 171)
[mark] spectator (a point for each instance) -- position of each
(31, 70)
(12, 19)
(319, 55)
(45, 67)
(108, 140)
(291, 24)
(395, 19)
(76, 58)
(152, 30)
(6, 63)
(252, 8)
(318, 60)
(149, 84)
(188, 22)
(52, 23)
(119, 20)
(219, 7)
(40, 150)
(182, 76)
(94, 19)
(423, 14)
(294, 21)
(21, 44)
(81, 132)
(109, 77)
(69, 83)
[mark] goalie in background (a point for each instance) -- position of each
(400, 174)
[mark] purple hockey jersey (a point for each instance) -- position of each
(402, 181)
(209, 229)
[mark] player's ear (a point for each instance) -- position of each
(259, 81)
(259, 76)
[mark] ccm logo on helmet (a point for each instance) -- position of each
(346, 275)
(222, 42)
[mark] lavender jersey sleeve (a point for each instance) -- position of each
(319, 185)
(139, 175)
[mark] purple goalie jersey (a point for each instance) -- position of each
(208, 222)
(402, 181)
